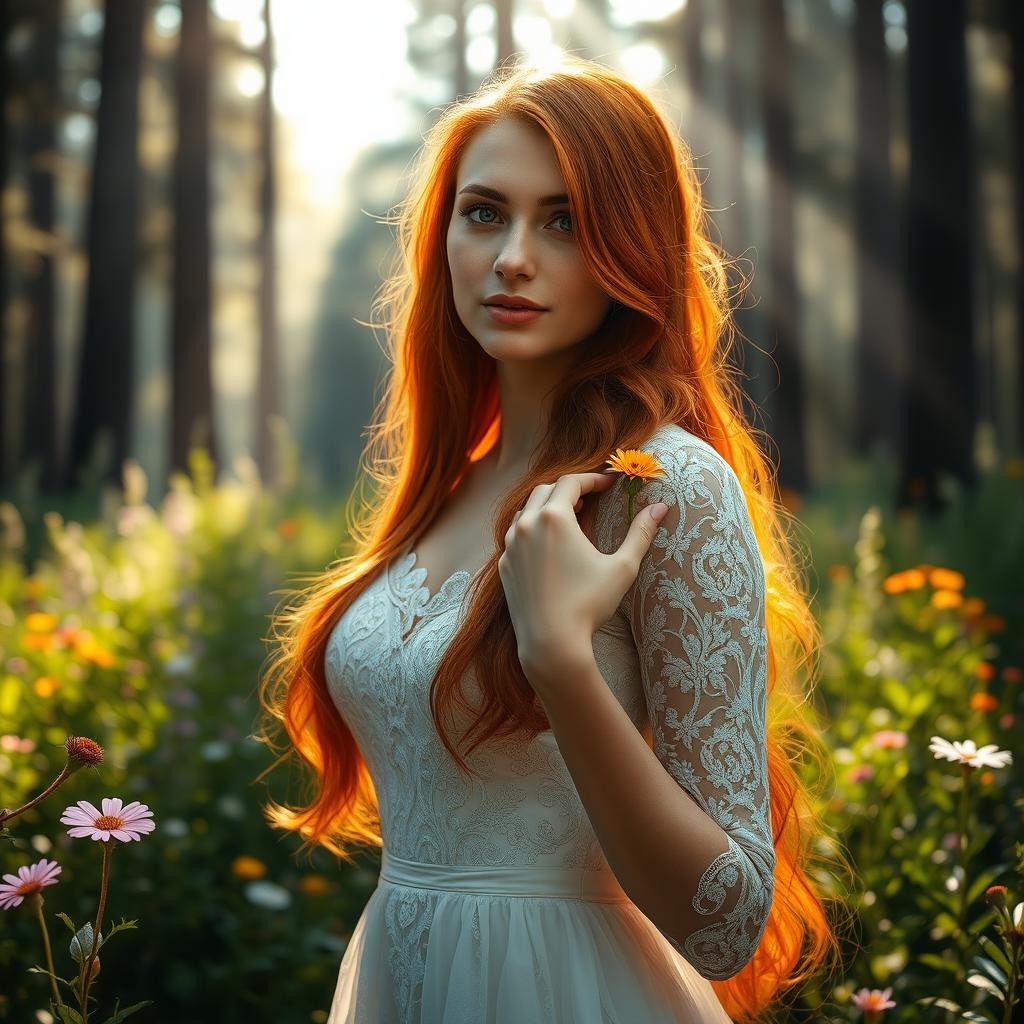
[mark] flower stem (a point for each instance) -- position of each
(1011, 984)
(86, 980)
(965, 786)
(37, 898)
(6, 816)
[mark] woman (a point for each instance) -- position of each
(566, 734)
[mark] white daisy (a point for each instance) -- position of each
(965, 751)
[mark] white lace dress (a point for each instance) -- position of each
(495, 903)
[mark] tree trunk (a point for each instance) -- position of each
(940, 412)
(103, 408)
(786, 410)
(191, 373)
(880, 352)
(40, 420)
(268, 380)
(1014, 16)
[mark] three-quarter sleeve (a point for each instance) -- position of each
(697, 612)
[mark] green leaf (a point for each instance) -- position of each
(938, 962)
(120, 1015)
(991, 970)
(121, 926)
(68, 1014)
(994, 951)
(36, 969)
(67, 920)
(978, 980)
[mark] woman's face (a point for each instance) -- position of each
(511, 233)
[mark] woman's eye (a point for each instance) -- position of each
(487, 208)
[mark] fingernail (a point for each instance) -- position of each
(657, 511)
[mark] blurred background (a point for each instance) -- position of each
(193, 196)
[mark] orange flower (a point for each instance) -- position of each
(973, 606)
(46, 686)
(983, 670)
(635, 463)
(1012, 674)
(38, 641)
(637, 466)
(946, 579)
(314, 885)
(894, 584)
(914, 579)
(947, 598)
(91, 650)
(982, 701)
(40, 622)
(986, 778)
(245, 866)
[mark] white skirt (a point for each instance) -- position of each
(444, 944)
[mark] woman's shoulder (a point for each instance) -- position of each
(681, 454)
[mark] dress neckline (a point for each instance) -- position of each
(451, 587)
(408, 563)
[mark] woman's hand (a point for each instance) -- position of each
(560, 589)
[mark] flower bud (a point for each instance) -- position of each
(996, 895)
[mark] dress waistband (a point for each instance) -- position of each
(504, 880)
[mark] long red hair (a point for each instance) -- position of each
(661, 356)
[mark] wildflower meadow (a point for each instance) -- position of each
(131, 636)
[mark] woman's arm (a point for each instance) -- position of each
(685, 827)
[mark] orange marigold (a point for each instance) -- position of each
(894, 584)
(983, 670)
(947, 598)
(635, 463)
(982, 701)
(245, 866)
(946, 579)
(40, 622)
(46, 686)
(914, 579)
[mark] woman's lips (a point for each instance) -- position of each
(511, 315)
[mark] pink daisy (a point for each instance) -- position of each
(123, 823)
(873, 1000)
(28, 880)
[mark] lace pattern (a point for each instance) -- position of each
(697, 614)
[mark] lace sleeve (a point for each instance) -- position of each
(697, 616)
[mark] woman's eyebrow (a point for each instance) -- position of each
(482, 190)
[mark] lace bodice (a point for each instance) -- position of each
(685, 655)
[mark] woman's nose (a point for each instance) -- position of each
(514, 256)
